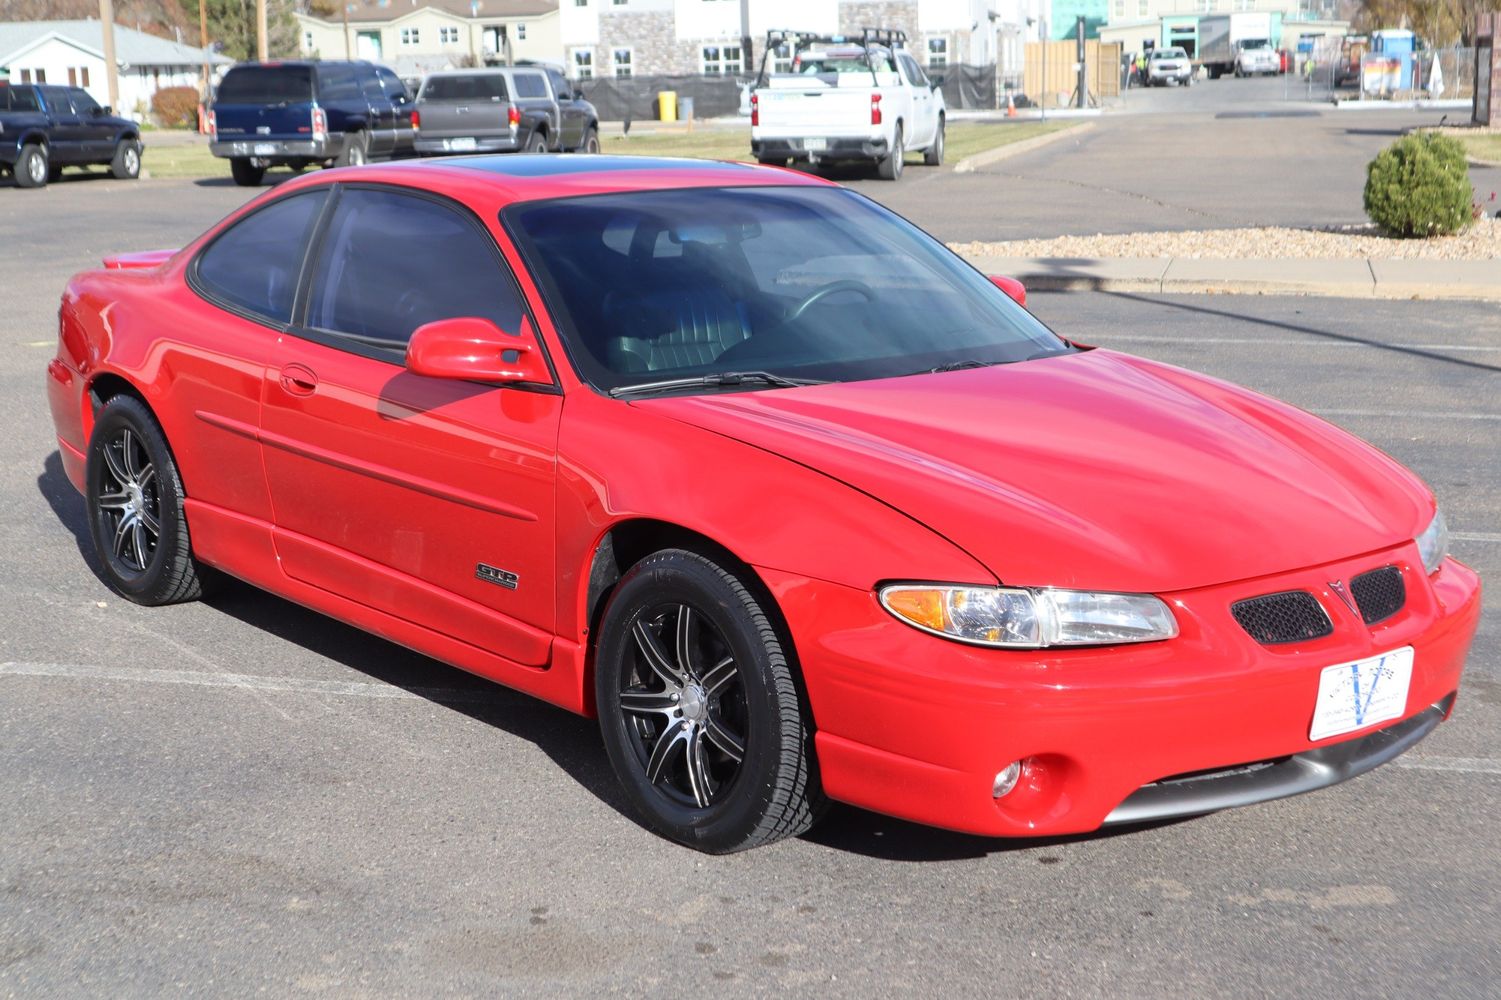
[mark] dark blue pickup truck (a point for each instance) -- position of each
(43, 129)
(296, 114)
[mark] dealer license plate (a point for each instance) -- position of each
(816, 145)
(264, 149)
(462, 145)
(1363, 693)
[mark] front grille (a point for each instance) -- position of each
(1379, 594)
(1272, 619)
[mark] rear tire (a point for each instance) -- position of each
(245, 173)
(356, 151)
(591, 141)
(535, 143)
(126, 165)
(890, 168)
(700, 710)
(135, 506)
(933, 155)
(32, 169)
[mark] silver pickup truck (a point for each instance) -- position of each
(503, 110)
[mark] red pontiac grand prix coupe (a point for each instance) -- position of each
(800, 505)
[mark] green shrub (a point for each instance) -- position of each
(1420, 186)
(176, 107)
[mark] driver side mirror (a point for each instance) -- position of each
(101, 112)
(1011, 287)
(476, 350)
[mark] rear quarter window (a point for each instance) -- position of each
(254, 265)
(337, 83)
(530, 85)
(18, 99)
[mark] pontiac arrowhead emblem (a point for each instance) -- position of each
(1338, 586)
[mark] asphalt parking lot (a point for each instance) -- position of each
(240, 796)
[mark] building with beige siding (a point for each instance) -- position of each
(415, 37)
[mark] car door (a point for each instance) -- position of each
(65, 132)
(924, 106)
(401, 111)
(570, 111)
(428, 499)
(96, 129)
(381, 114)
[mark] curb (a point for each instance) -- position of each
(969, 164)
(1352, 278)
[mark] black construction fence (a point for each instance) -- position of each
(635, 98)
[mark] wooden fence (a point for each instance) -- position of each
(1103, 72)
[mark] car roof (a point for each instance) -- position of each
(502, 179)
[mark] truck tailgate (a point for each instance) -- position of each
(251, 121)
(814, 111)
(445, 119)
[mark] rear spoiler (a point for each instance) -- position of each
(793, 41)
(140, 259)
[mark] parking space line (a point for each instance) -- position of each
(1407, 414)
(1144, 338)
(1476, 536)
(251, 682)
(1459, 765)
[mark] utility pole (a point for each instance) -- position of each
(260, 30)
(745, 38)
(1042, 105)
(203, 43)
(349, 54)
(1083, 83)
(111, 68)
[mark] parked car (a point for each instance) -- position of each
(45, 128)
(1009, 584)
(297, 114)
(499, 111)
(1170, 67)
(838, 99)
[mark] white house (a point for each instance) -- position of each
(415, 37)
(72, 53)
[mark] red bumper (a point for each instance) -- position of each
(65, 397)
(915, 726)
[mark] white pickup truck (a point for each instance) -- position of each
(829, 98)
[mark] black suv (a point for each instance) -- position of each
(43, 129)
(295, 114)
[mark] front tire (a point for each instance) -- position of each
(32, 169)
(126, 164)
(245, 173)
(933, 155)
(890, 168)
(135, 507)
(699, 708)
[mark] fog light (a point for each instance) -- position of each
(1005, 780)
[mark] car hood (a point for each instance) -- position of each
(1093, 470)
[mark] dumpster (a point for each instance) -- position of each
(667, 105)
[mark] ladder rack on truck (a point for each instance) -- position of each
(797, 41)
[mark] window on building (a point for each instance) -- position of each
(581, 3)
(1245, 4)
(521, 31)
(618, 3)
(583, 64)
(307, 41)
(448, 35)
(620, 62)
(938, 52)
(1141, 7)
(1120, 8)
(1204, 6)
(83, 76)
(411, 37)
(721, 60)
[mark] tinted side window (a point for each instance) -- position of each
(83, 104)
(370, 84)
(392, 85)
(337, 83)
(392, 262)
(914, 72)
(559, 85)
(255, 263)
(23, 99)
(529, 85)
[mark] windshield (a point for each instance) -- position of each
(266, 85)
(1255, 43)
(469, 87)
(834, 63)
(1171, 54)
(802, 283)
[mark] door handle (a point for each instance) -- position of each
(298, 380)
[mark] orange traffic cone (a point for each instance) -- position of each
(1010, 106)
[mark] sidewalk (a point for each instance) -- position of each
(1356, 279)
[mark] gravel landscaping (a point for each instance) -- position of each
(1481, 241)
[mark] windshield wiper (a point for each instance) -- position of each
(954, 366)
(713, 381)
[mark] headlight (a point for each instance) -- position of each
(1028, 618)
(1433, 543)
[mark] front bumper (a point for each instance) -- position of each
(1181, 75)
(798, 148)
(276, 151)
(915, 726)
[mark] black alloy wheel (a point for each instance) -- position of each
(699, 709)
(135, 505)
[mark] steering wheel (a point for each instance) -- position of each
(832, 288)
